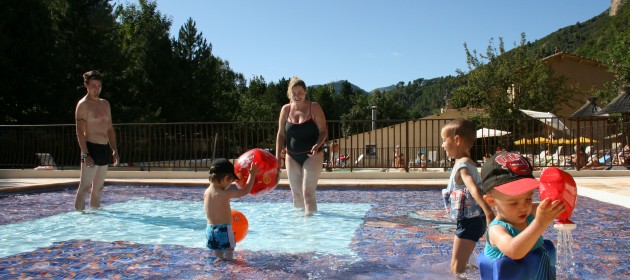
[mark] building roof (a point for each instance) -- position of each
(449, 113)
(579, 58)
(621, 103)
(588, 111)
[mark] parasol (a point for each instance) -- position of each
(621, 104)
(489, 132)
(583, 139)
(537, 140)
(547, 118)
(589, 112)
(485, 133)
(550, 120)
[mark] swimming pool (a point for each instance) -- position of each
(151, 221)
(399, 233)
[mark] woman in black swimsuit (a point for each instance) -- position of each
(302, 130)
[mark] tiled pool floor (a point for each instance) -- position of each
(403, 236)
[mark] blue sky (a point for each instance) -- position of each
(367, 42)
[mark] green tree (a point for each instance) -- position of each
(86, 39)
(325, 96)
(25, 67)
(348, 94)
(257, 103)
(389, 105)
(279, 92)
(227, 86)
(502, 82)
(196, 77)
(46, 46)
(359, 110)
(619, 64)
(147, 78)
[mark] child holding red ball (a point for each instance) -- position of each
(216, 202)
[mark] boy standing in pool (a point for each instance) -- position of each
(216, 202)
(463, 198)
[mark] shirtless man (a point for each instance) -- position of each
(94, 132)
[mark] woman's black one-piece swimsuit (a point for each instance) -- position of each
(301, 137)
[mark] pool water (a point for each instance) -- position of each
(277, 227)
(399, 233)
(274, 226)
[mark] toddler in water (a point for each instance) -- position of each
(508, 186)
(216, 202)
(463, 198)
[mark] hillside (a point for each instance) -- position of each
(339, 84)
(384, 89)
(425, 97)
(570, 38)
(593, 38)
(601, 43)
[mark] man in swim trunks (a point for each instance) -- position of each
(302, 129)
(94, 133)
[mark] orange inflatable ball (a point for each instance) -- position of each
(240, 225)
(265, 180)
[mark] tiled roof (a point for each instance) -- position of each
(576, 57)
(621, 103)
(588, 111)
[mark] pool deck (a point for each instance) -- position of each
(606, 186)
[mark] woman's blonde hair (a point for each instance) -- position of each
(294, 82)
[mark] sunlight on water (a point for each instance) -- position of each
(280, 228)
(275, 227)
(565, 265)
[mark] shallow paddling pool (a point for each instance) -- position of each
(371, 233)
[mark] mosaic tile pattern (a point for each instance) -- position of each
(404, 236)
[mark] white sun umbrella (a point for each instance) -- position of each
(485, 133)
(549, 119)
(489, 132)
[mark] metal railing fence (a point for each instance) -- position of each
(192, 146)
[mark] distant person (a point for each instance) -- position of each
(401, 161)
(615, 159)
(418, 158)
(578, 159)
(216, 202)
(594, 164)
(463, 197)
(95, 132)
(302, 129)
(283, 157)
(418, 161)
(508, 186)
(334, 156)
(624, 156)
(397, 156)
(423, 162)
